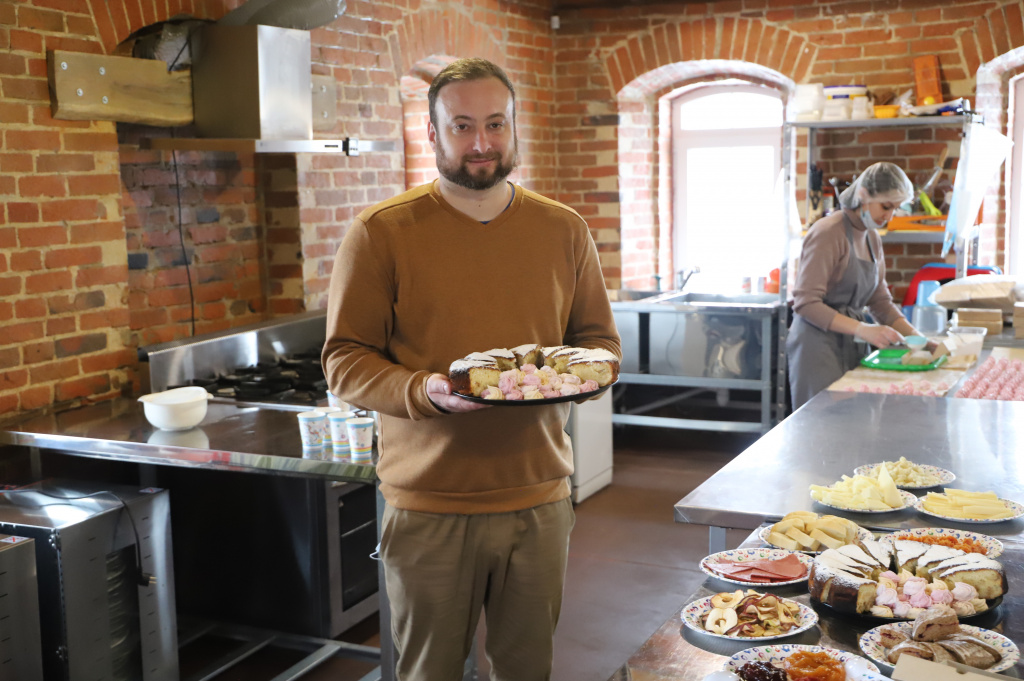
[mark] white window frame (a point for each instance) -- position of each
(1014, 243)
(682, 140)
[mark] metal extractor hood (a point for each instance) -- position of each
(350, 146)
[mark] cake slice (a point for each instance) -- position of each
(528, 354)
(984, 574)
(932, 557)
(472, 375)
(596, 365)
(506, 359)
(935, 623)
(907, 553)
(547, 354)
(559, 359)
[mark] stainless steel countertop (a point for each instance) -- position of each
(981, 441)
(676, 653)
(231, 437)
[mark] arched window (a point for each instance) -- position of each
(726, 157)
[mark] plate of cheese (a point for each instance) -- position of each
(968, 507)
(807, 532)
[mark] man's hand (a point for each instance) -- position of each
(879, 335)
(439, 391)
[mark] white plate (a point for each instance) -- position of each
(692, 613)
(945, 477)
(775, 654)
(1017, 509)
(765, 531)
(908, 501)
(993, 547)
(746, 555)
(870, 644)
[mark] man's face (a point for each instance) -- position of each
(475, 141)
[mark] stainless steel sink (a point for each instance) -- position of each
(689, 298)
(622, 295)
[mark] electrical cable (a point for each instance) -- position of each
(177, 192)
(142, 578)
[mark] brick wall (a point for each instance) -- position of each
(88, 267)
(623, 59)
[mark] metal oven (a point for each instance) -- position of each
(21, 656)
(305, 542)
(105, 578)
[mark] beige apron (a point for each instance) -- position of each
(818, 358)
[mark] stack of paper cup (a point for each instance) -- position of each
(327, 411)
(360, 439)
(339, 431)
(312, 425)
(335, 401)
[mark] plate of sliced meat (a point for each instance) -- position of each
(758, 566)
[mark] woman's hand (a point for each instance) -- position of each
(439, 391)
(879, 335)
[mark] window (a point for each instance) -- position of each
(726, 157)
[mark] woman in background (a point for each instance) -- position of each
(842, 272)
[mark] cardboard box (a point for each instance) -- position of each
(909, 668)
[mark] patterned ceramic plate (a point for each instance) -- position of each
(944, 477)
(871, 644)
(1017, 509)
(746, 555)
(692, 614)
(777, 653)
(908, 501)
(765, 531)
(993, 547)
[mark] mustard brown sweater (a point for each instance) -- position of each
(416, 285)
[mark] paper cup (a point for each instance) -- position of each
(335, 401)
(312, 425)
(339, 431)
(326, 411)
(360, 439)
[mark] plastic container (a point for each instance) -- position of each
(887, 110)
(929, 319)
(968, 340)
(845, 91)
(176, 409)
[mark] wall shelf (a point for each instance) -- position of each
(908, 121)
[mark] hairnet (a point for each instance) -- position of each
(880, 182)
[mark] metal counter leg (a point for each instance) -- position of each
(716, 539)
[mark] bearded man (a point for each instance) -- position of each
(478, 510)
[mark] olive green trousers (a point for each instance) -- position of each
(440, 570)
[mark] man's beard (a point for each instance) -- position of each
(458, 173)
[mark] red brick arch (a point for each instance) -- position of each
(993, 49)
(117, 19)
(449, 32)
(727, 38)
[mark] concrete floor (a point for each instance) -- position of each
(630, 565)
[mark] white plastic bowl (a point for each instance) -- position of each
(176, 409)
(916, 342)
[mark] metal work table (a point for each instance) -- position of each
(981, 441)
(230, 438)
(675, 653)
(698, 342)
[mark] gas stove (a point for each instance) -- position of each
(272, 364)
(296, 379)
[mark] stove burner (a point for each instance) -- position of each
(297, 379)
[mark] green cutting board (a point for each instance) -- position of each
(890, 359)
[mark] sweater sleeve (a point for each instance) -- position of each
(824, 252)
(591, 323)
(359, 325)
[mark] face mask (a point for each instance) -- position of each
(868, 221)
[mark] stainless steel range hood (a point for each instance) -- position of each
(251, 92)
(350, 146)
